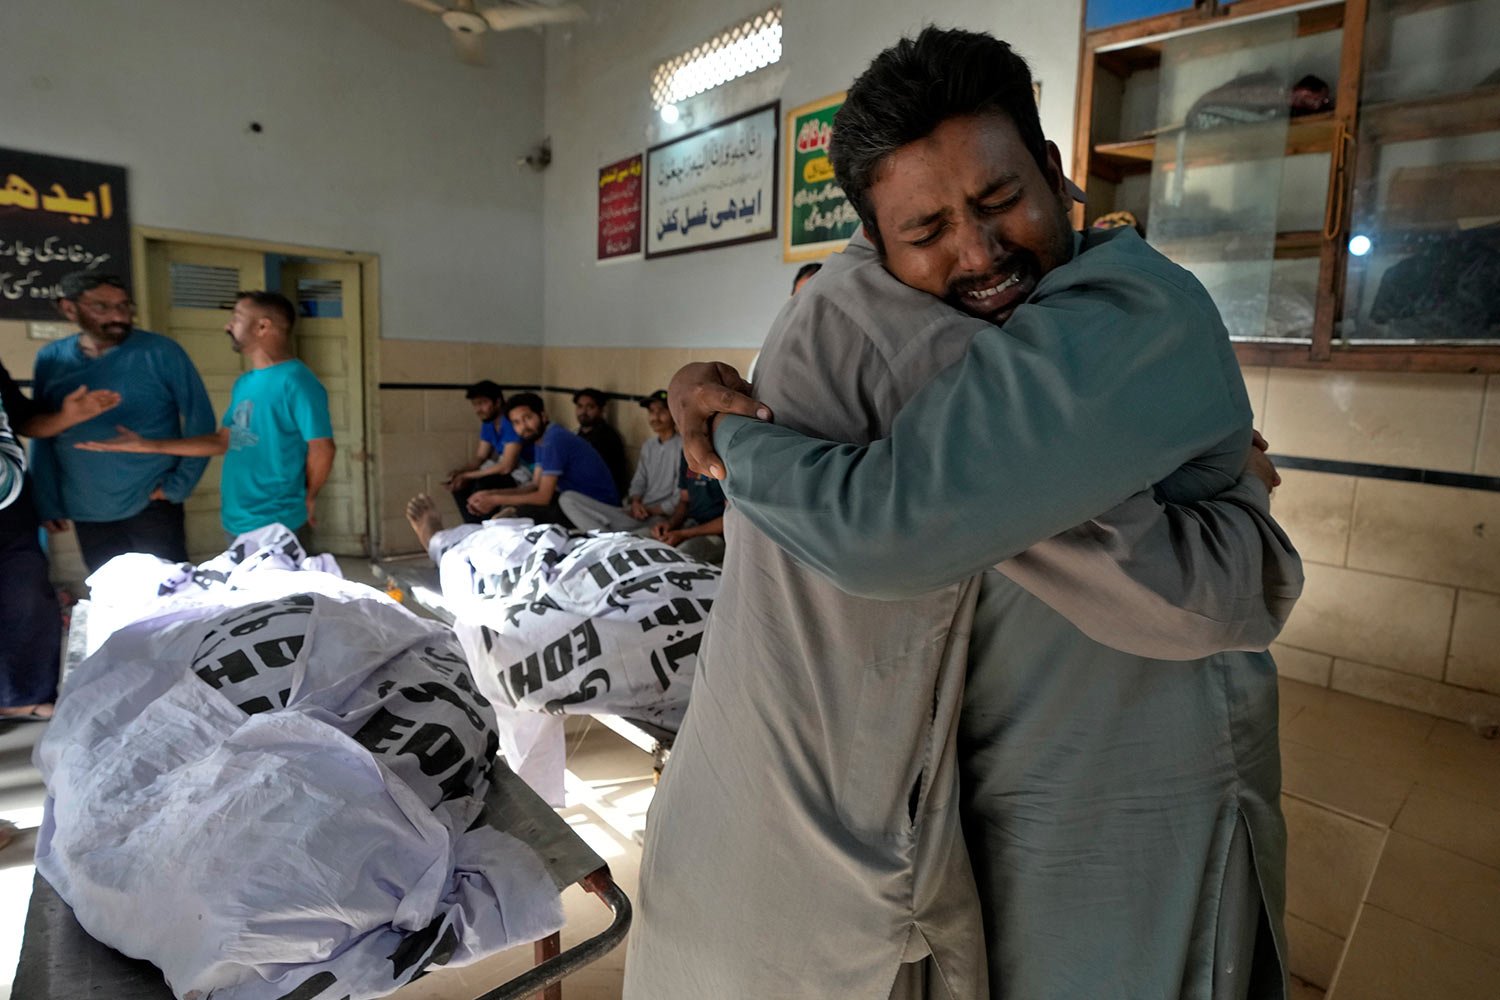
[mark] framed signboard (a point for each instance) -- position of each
(620, 209)
(714, 187)
(819, 219)
(57, 216)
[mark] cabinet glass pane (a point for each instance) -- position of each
(1424, 223)
(1223, 122)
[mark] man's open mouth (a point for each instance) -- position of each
(980, 294)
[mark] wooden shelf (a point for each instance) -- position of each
(1308, 134)
(1432, 117)
(1123, 62)
(1297, 245)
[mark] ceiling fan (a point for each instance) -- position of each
(467, 22)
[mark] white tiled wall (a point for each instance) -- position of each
(1403, 579)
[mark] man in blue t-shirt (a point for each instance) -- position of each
(276, 438)
(503, 460)
(564, 462)
(117, 503)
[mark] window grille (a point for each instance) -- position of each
(203, 286)
(727, 56)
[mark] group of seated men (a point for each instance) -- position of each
(528, 466)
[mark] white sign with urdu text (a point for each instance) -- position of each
(713, 187)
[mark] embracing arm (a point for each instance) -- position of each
(1099, 387)
(1167, 580)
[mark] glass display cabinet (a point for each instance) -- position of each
(1330, 171)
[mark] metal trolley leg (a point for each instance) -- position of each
(552, 970)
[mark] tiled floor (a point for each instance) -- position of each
(1393, 871)
(1394, 829)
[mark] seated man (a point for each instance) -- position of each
(588, 406)
(653, 490)
(563, 463)
(696, 527)
(502, 461)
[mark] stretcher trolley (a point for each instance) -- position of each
(60, 961)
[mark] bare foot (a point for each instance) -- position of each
(424, 518)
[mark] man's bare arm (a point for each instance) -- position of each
(128, 441)
(469, 470)
(320, 452)
(77, 406)
(537, 494)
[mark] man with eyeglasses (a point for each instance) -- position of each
(117, 502)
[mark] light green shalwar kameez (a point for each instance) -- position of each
(805, 838)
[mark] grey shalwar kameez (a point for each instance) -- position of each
(805, 839)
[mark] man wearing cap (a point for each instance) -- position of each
(654, 488)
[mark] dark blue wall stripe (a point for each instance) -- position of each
(1431, 477)
(1368, 470)
(628, 397)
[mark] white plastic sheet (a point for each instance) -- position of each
(559, 622)
(273, 797)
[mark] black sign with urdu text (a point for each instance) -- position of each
(57, 216)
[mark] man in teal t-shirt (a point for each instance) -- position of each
(276, 439)
(274, 417)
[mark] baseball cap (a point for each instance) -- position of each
(659, 396)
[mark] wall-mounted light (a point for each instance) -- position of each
(1359, 244)
(670, 114)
